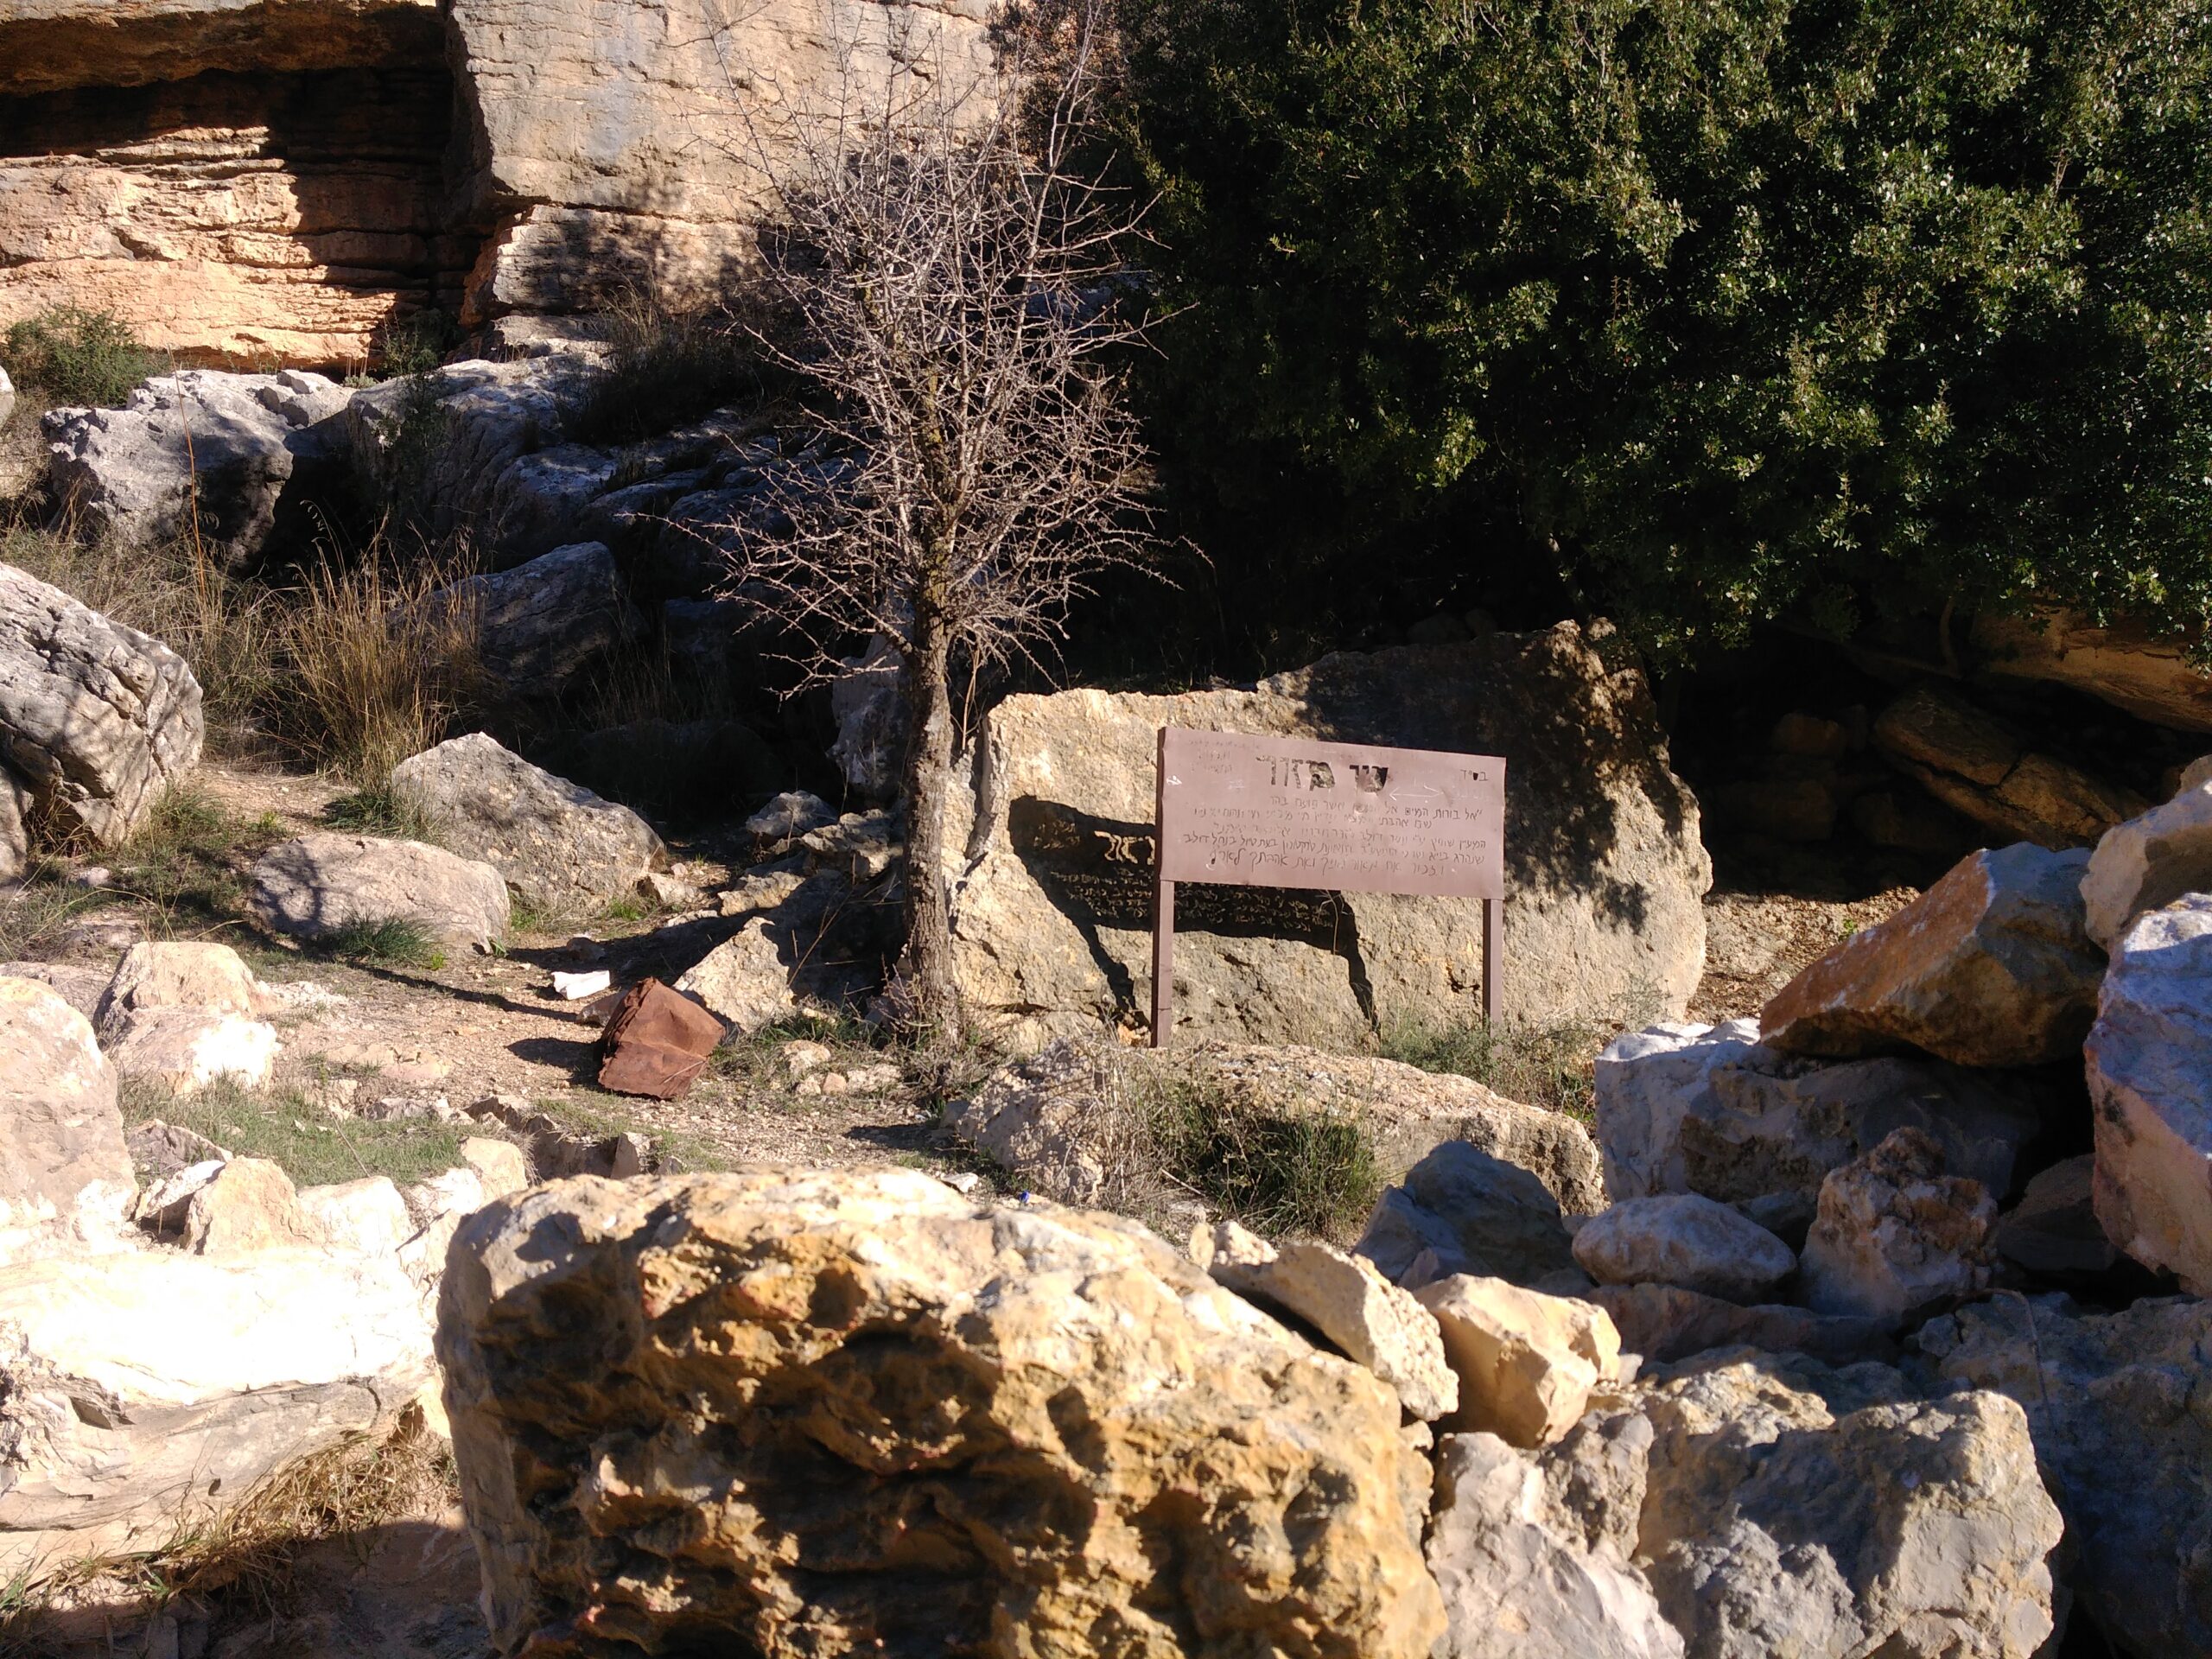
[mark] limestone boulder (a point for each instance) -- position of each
(1989, 967)
(317, 887)
(15, 826)
(2124, 663)
(747, 979)
(1687, 1240)
(247, 1205)
(367, 1216)
(2053, 1230)
(562, 849)
(1789, 1509)
(1515, 1582)
(1462, 1210)
(1979, 766)
(539, 626)
(95, 720)
(1526, 1362)
(1895, 1234)
(499, 1165)
(180, 974)
(1091, 1445)
(149, 1390)
(227, 447)
(1711, 1109)
(2116, 1404)
(2148, 862)
(1665, 1323)
(1604, 869)
(789, 816)
(60, 1125)
(1355, 1309)
(1053, 1121)
(2149, 1054)
(184, 1050)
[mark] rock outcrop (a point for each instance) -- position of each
(2148, 862)
(1526, 1362)
(65, 1155)
(1604, 867)
(2152, 679)
(1009, 1429)
(560, 847)
(319, 887)
(1687, 1240)
(539, 626)
(2149, 1055)
(95, 720)
(1989, 967)
(223, 453)
(1711, 1109)
(1895, 1234)
(2116, 1404)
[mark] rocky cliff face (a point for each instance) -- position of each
(278, 181)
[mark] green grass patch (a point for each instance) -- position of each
(75, 354)
(379, 810)
(314, 1147)
(387, 942)
(1552, 1065)
(1278, 1172)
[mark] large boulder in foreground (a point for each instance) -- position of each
(562, 849)
(1010, 1429)
(95, 720)
(319, 887)
(61, 1131)
(1989, 967)
(1711, 1109)
(228, 449)
(143, 1392)
(2150, 1055)
(2117, 1404)
(1605, 870)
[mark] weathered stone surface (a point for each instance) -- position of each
(1462, 1210)
(870, 709)
(1895, 1234)
(60, 1127)
(2124, 664)
(186, 1050)
(1665, 1323)
(1989, 967)
(1710, 1109)
(1975, 765)
(179, 974)
(368, 1215)
(560, 847)
(1359, 1312)
(744, 980)
(789, 816)
(317, 886)
(541, 624)
(155, 1389)
(1687, 1240)
(15, 826)
(96, 719)
(499, 1164)
(1061, 1119)
(951, 1377)
(1526, 1362)
(1788, 1509)
(7, 400)
(159, 1150)
(225, 448)
(249, 1206)
(2054, 1230)
(55, 44)
(2149, 1055)
(1515, 1584)
(2116, 1404)
(2148, 862)
(1604, 868)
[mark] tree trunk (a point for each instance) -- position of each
(929, 779)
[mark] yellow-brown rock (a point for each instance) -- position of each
(796, 1413)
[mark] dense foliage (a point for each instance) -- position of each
(79, 357)
(1712, 311)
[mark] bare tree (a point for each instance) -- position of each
(952, 271)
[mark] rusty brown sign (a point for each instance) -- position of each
(1349, 818)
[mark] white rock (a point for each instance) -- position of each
(61, 1147)
(2147, 862)
(575, 988)
(184, 1050)
(1683, 1239)
(1526, 1362)
(1362, 1314)
(744, 980)
(318, 886)
(2150, 1058)
(180, 974)
(247, 1206)
(367, 1215)
(791, 815)
(499, 1165)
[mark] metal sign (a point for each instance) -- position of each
(1349, 817)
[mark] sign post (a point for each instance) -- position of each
(1349, 817)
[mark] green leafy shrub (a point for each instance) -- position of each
(1707, 314)
(77, 355)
